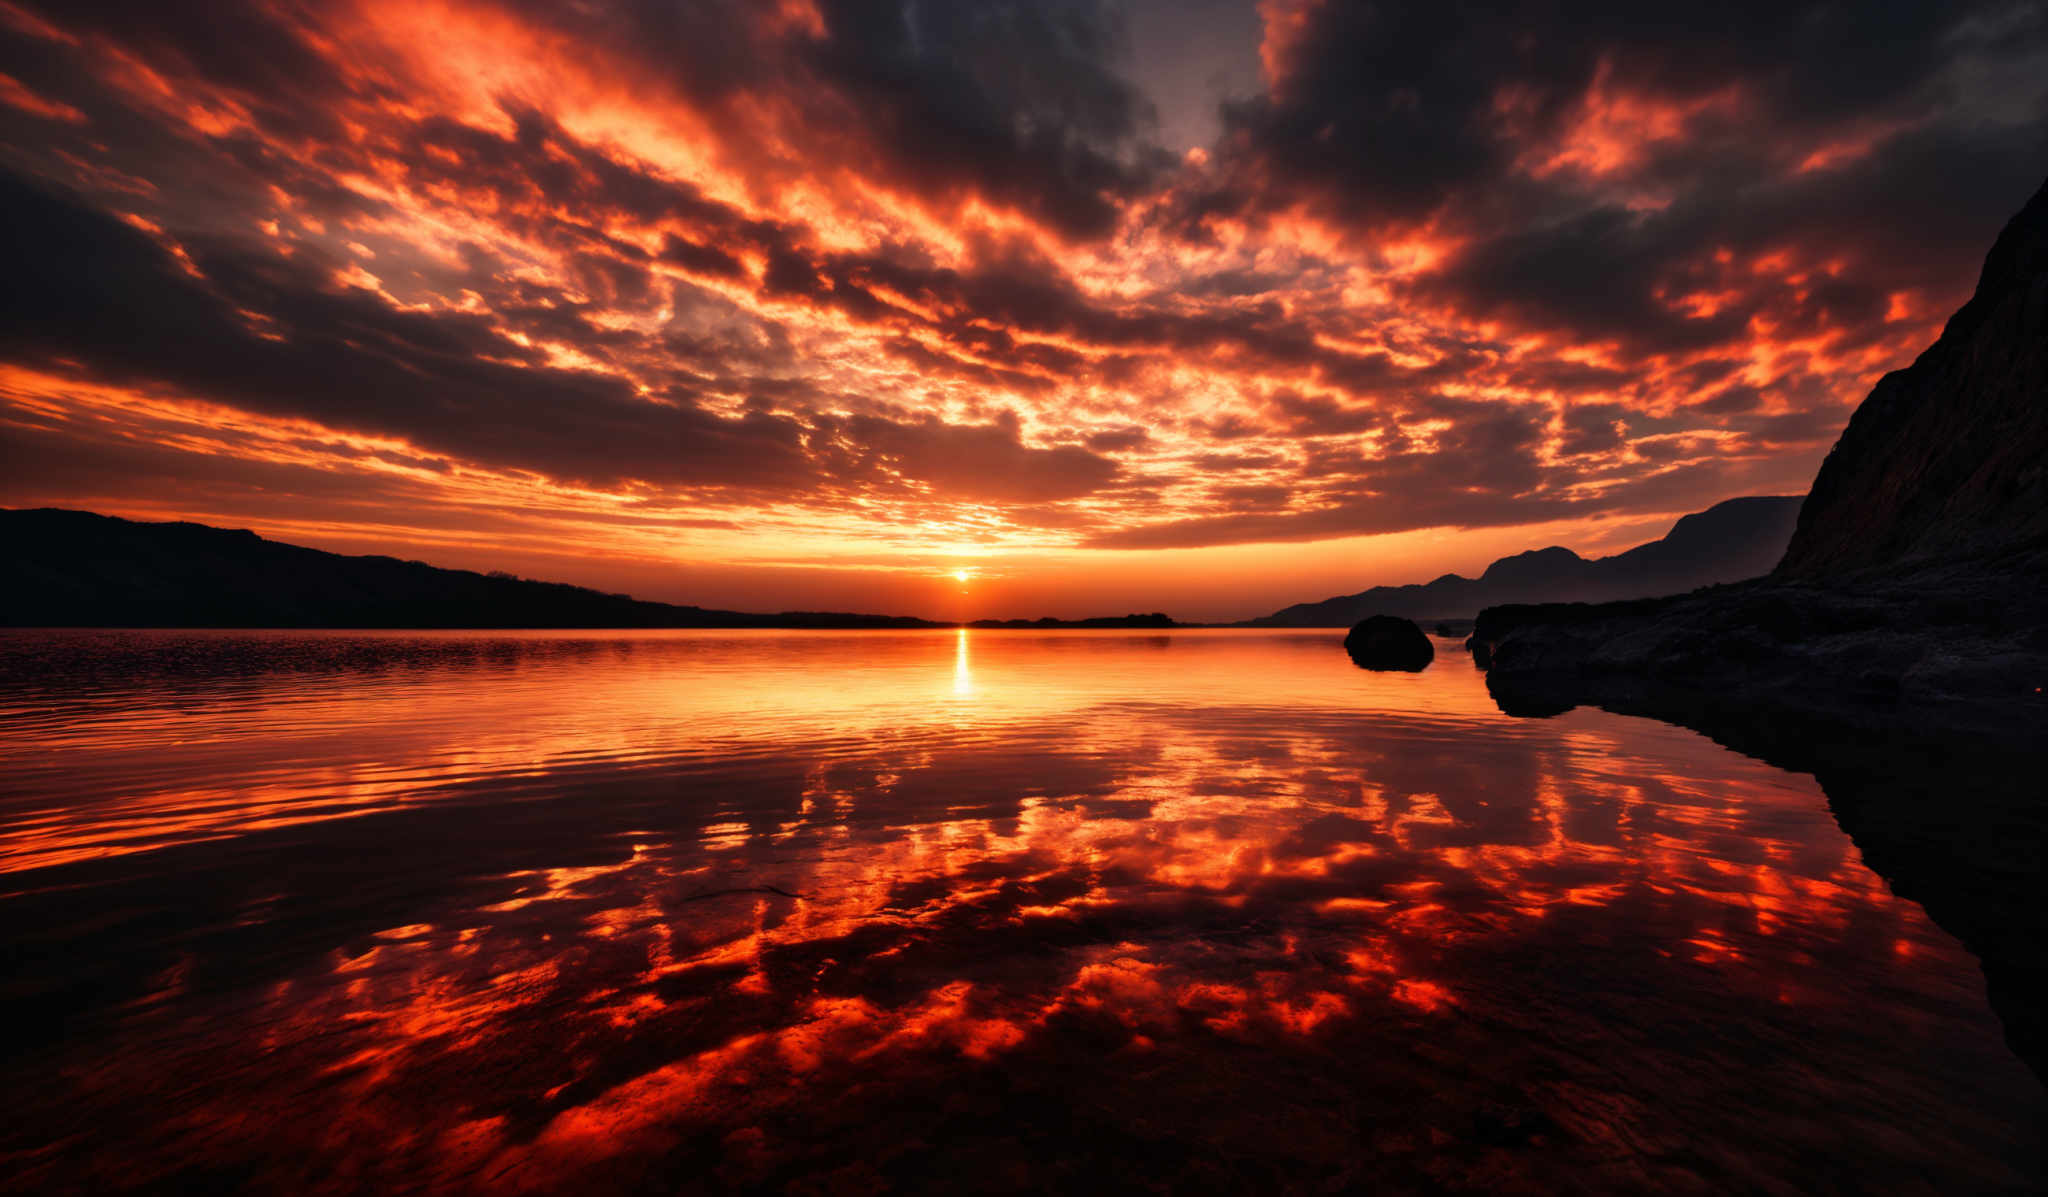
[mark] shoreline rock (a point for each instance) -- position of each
(1388, 643)
(1957, 649)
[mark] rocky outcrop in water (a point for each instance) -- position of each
(1388, 642)
(1946, 647)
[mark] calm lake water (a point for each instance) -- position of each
(852, 912)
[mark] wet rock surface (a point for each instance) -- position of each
(1958, 648)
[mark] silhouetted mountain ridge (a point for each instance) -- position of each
(1154, 619)
(78, 569)
(1739, 538)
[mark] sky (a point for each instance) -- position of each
(961, 308)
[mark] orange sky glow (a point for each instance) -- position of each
(966, 311)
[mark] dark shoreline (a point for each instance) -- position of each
(77, 569)
(1952, 648)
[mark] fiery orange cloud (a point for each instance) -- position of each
(850, 291)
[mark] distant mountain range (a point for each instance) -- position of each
(78, 569)
(1155, 619)
(1740, 538)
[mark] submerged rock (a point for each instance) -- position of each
(1388, 642)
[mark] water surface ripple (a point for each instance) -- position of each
(573, 912)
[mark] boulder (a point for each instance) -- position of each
(1388, 642)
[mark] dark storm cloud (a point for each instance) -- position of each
(1020, 293)
(1021, 100)
(547, 185)
(258, 50)
(1319, 415)
(1667, 184)
(91, 290)
(1024, 104)
(1593, 157)
(975, 462)
(1117, 440)
(1592, 428)
(1400, 110)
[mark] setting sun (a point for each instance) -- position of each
(962, 575)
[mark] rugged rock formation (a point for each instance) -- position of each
(1947, 459)
(1739, 538)
(1913, 590)
(1388, 642)
(1899, 652)
(1957, 648)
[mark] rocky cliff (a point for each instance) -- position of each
(1913, 588)
(1947, 460)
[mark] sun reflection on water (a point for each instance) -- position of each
(963, 678)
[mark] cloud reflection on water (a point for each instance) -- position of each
(1207, 909)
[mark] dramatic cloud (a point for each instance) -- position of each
(876, 285)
